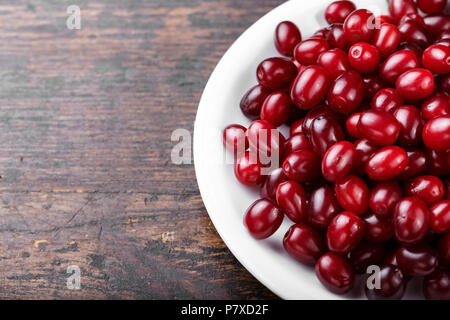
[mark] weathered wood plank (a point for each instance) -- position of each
(85, 123)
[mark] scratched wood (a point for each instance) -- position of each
(85, 123)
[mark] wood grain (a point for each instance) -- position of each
(85, 123)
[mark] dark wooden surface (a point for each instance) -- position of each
(85, 124)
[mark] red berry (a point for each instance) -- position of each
(413, 32)
(292, 198)
(410, 121)
(322, 206)
(365, 255)
(304, 243)
(377, 229)
(308, 51)
(324, 133)
(248, 169)
(264, 138)
(337, 11)
(334, 61)
(296, 143)
(352, 194)
(393, 285)
(379, 127)
(436, 58)
(386, 163)
(396, 64)
(417, 164)
(436, 286)
(287, 36)
(410, 219)
(345, 232)
(359, 26)
(444, 249)
(253, 100)
(435, 106)
(346, 92)
(364, 150)
(270, 184)
(364, 57)
(431, 6)
(338, 161)
(336, 36)
(277, 108)
(428, 188)
(296, 127)
(415, 84)
(234, 138)
(436, 133)
(335, 273)
(310, 87)
(263, 218)
(383, 198)
(276, 73)
(351, 126)
(387, 99)
(440, 216)
(302, 166)
(417, 261)
(387, 39)
(400, 8)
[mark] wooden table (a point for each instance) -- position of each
(86, 118)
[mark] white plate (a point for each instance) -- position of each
(225, 199)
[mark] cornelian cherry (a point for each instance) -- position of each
(338, 161)
(337, 11)
(359, 26)
(345, 232)
(335, 273)
(386, 163)
(410, 220)
(248, 169)
(263, 218)
(287, 36)
(364, 57)
(292, 198)
(276, 73)
(352, 194)
(304, 243)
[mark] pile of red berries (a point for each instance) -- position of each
(364, 175)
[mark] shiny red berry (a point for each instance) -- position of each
(287, 36)
(338, 161)
(359, 26)
(383, 198)
(263, 218)
(345, 232)
(304, 243)
(410, 220)
(234, 138)
(310, 87)
(387, 39)
(247, 169)
(352, 194)
(440, 216)
(436, 133)
(276, 73)
(379, 127)
(335, 273)
(364, 57)
(292, 199)
(415, 84)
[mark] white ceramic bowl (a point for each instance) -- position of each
(225, 199)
